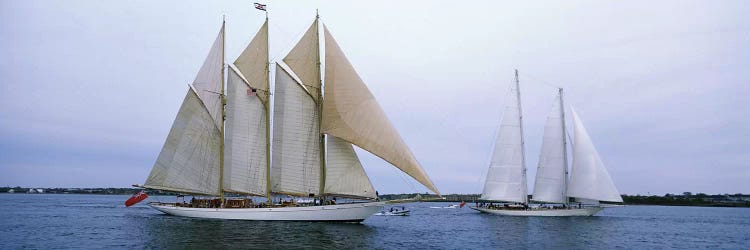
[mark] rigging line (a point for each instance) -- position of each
(540, 81)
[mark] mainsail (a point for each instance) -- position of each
(589, 178)
(189, 161)
(351, 113)
(296, 148)
(551, 174)
(245, 145)
(344, 172)
(506, 176)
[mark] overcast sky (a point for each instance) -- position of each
(89, 89)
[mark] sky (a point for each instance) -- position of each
(89, 89)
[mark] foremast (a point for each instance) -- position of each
(523, 148)
(223, 109)
(565, 149)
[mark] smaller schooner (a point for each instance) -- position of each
(505, 186)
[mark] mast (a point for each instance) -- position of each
(523, 148)
(565, 148)
(268, 124)
(320, 110)
(223, 111)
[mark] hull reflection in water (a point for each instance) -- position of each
(586, 211)
(353, 212)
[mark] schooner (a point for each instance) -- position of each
(505, 183)
(221, 141)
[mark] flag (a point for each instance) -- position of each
(260, 6)
(251, 92)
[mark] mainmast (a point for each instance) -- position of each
(523, 150)
(268, 123)
(223, 110)
(321, 191)
(565, 148)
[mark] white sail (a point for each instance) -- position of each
(589, 178)
(253, 63)
(551, 174)
(303, 60)
(506, 176)
(296, 139)
(209, 80)
(245, 139)
(189, 160)
(344, 172)
(350, 112)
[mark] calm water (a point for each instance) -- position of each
(98, 221)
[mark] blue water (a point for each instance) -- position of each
(101, 221)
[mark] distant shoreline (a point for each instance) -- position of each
(684, 199)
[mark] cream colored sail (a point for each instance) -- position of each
(506, 176)
(209, 80)
(296, 139)
(589, 178)
(303, 60)
(551, 174)
(189, 160)
(344, 173)
(253, 63)
(245, 139)
(350, 112)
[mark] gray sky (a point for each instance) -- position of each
(89, 89)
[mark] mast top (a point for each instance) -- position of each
(317, 15)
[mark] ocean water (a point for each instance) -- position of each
(50, 221)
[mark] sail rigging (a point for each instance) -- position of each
(350, 112)
(506, 176)
(551, 174)
(589, 178)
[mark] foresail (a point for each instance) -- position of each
(245, 139)
(253, 63)
(506, 176)
(296, 139)
(303, 60)
(344, 172)
(350, 112)
(589, 178)
(209, 79)
(551, 172)
(189, 160)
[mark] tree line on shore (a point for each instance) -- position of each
(684, 199)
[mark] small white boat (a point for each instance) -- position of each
(395, 212)
(451, 206)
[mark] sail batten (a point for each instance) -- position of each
(589, 178)
(551, 174)
(350, 112)
(506, 175)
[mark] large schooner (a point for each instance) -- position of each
(221, 141)
(505, 186)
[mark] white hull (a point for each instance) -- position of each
(352, 212)
(586, 211)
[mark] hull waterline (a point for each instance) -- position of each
(586, 211)
(353, 212)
